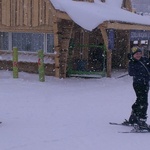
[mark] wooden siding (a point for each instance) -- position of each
(127, 5)
(29, 67)
(25, 65)
(25, 15)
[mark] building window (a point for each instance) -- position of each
(4, 40)
(50, 43)
(28, 42)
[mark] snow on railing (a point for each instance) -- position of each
(26, 57)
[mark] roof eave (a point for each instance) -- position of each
(62, 15)
(124, 25)
(59, 14)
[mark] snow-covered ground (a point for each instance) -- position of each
(66, 114)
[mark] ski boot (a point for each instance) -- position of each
(142, 125)
(126, 123)
(133, 119)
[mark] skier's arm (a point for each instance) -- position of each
(131, 69)
(134, 70)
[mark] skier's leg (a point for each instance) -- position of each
(141, 105)
(135, 107)
(143, 101)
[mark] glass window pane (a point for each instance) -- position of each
(50, 43)
(3, 40)
(31, 42)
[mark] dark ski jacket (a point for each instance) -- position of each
(138, 71)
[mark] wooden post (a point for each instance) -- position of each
(41, 66)
(109, 62)
(15, 62)
(61, 45)
(56, 47)
(67, 27)
(108, 52)
(128, 48)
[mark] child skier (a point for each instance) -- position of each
(139, 68)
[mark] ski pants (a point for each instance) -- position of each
(139, 108)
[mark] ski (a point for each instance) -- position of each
(135, 131)
(120, 124)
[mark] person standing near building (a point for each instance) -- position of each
(139, 68)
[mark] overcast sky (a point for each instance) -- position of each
(141, 5)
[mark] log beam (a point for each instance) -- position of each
(108, 51)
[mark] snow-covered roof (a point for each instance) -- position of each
(90, 15)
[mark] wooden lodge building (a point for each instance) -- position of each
(31, 25)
